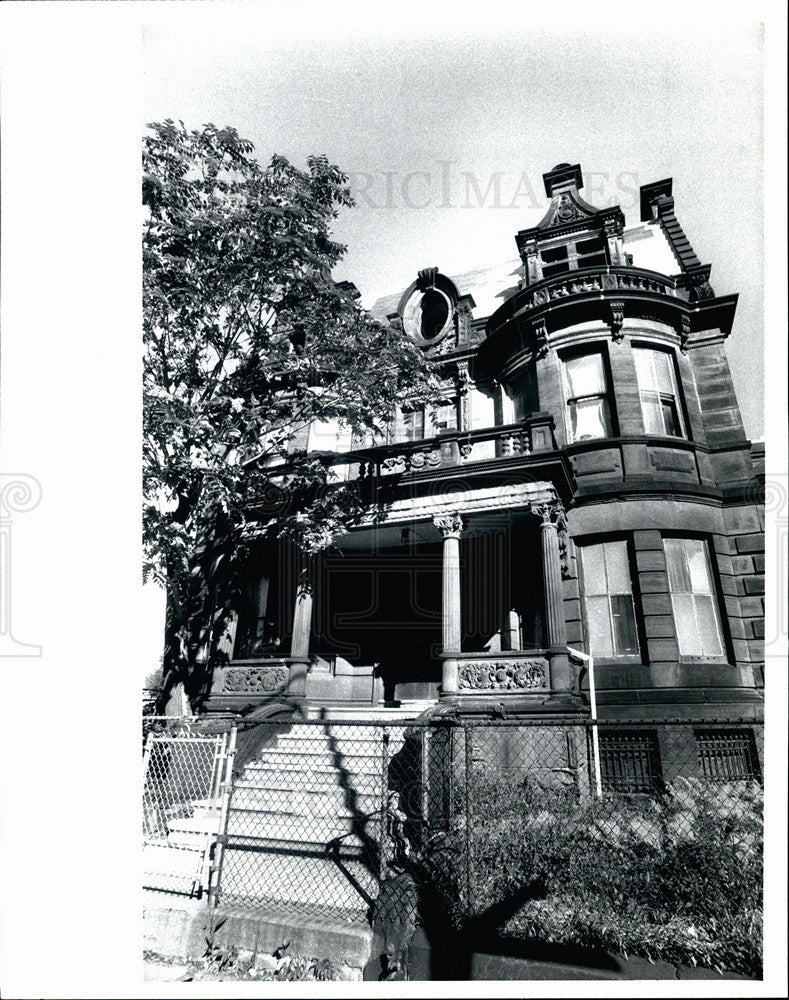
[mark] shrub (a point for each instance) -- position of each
(677, 877)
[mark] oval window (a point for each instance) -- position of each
(435, 311)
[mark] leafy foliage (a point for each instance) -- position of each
(247, 340)
(677, 878)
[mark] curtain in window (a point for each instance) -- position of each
(693, 597)
(586, 397)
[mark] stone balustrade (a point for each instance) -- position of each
(531, 436)
(608, 279)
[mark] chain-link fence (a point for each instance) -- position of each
(184, 804)
(556, 830)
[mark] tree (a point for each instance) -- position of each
(247, 339)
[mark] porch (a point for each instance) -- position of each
(452, 597)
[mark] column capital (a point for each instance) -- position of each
(450, 525)
(552, 513)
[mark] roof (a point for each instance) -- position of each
(491, 286)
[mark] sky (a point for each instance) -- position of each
(445, 136)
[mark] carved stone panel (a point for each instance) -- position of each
(503, 675)
(255, 680)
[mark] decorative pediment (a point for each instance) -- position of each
(568, 206)
(570, 217)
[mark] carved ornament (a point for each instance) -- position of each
(503, 675)
(427, 278)
(450, 525)
(684, 334)
(540, 331)
(255, 680)
(617, 319)
(567, 210)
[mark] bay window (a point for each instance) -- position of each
(657, 387)
(693, 599)
(586, 395)
(608, 599)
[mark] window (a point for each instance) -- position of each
(411, 426)
(444, 416)
(693, 597)
(608, 599)
(589, 252)
(657, 387)
(586, 392)
(630, 761)
(727, 754)
(435, 312)
(525, 394)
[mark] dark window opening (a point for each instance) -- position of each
(435, 310)
(630, 762)
(728, 755)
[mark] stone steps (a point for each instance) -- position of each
(171, 869)
(307, 789)
(320, 801)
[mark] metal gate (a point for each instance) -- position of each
(186, 787)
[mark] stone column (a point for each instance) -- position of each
(555, 626)
(450, 526)
(302, 628)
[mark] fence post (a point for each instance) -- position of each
(425, 790)
(469, 763)
(226, 791)
(385, 846)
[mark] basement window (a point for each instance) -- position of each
(727, 754)
(630, 762)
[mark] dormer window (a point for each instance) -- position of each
(589, 252)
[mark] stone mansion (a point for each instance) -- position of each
(585, 486)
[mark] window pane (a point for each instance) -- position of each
(589, 419)
(708, 627)
(678, 579)
(557, 253)
(669, 415)
(665, 381)
(698, 565)
(593, 557)
(644, 369)
(651, 411)
(618, 568)
(624, 624)
(550, 269)
(585, 375)
(685, 621)
(589, 246)
(598, 618)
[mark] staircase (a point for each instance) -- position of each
(307, 817)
